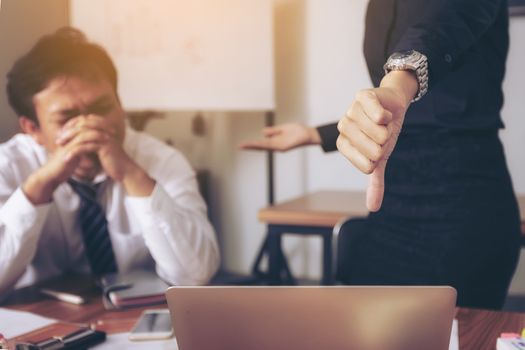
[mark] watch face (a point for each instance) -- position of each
(402, 55)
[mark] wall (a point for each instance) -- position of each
(514, 110)
(21, 23)
(514, 116)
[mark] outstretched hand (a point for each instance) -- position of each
(284, 137)
(368, 135)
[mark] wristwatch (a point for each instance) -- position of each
(413, 61)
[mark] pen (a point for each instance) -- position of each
(66, 297)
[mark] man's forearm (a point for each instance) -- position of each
(38, 188)
(21, 224)
(137, 182)
(179, 236)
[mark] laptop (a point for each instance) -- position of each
(312, 318)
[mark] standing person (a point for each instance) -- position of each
(80, 191)
(443, 210)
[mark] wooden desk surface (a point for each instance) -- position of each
(322, 208)
(478, 329)
(326, 208)
(92, 313)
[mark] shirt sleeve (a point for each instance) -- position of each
(446, 30)
(175, 225)
(20, 225)
(329, 135)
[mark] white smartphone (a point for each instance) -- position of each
(152, 325)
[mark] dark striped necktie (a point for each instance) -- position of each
(94, 226)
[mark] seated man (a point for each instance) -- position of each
(81, 192)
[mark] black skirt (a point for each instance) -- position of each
(449, 217)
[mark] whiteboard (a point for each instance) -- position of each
(185, 54)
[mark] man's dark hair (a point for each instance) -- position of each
(66, 52)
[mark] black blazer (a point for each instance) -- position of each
(466, 43)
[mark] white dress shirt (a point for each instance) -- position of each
(168, 231)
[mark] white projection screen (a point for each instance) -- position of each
(185, 54)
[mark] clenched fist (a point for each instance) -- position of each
(370, 128)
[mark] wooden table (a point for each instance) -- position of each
(478, 329)
(93, 312)
(313, 214)
(316, 213)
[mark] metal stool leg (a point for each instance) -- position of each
(278, 269)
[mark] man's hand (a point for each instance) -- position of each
(112, 158)
(62, 164)
(84, 128)
(369, 131)
(284, 138)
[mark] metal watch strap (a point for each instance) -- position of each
(414, 61)
(422, 78)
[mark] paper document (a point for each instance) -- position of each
(454, 336)
(120, 341)
(14, 323)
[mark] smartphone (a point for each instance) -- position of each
(152, 325)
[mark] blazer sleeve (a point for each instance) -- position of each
(329, 135)
(447, 29)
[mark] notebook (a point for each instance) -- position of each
(135, 288)
(312, 318)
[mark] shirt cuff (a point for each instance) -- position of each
(146, 207)
(19, 212)
(329, 135)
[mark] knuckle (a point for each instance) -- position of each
(352, 110)
(365, 95)
(382, 135)
(386, 115)
(343, 145)
(81, 138)
(376, 153)
(368, 168)
(340, 125)
(379, 117)
(339, 143)
(347, 128)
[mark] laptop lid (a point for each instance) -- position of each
(312, 318)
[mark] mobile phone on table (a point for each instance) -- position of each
(152, 325)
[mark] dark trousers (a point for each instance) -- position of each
(449, 217)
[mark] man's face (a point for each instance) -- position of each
(65, 98)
